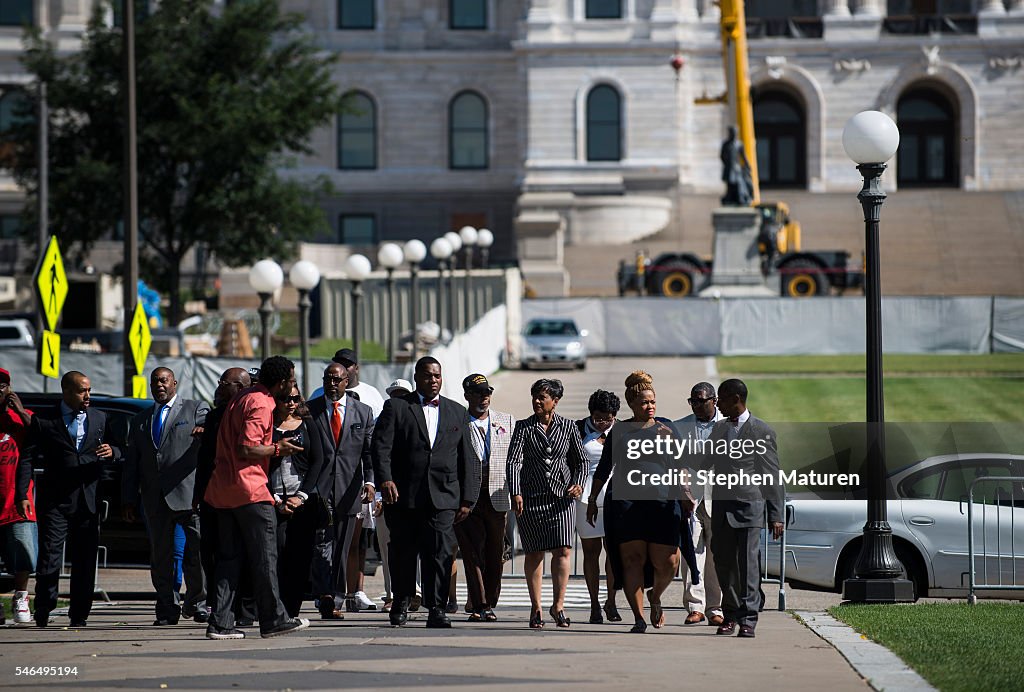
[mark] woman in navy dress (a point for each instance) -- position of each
(546, 470)
(643, 535)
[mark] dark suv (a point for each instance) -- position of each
(126, 543)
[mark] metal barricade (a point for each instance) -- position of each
(1003, 514)
(781, 579)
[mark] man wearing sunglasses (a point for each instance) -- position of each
(705, 597)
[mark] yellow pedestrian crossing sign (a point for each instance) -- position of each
(52, 284)
(139, 338)
(140, 387)
(48, 361)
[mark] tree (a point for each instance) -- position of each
(224, 98)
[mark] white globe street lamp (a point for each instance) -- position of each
(357, 268)
(415, 252)
(441, 250)
(485, 239)
(390, 256)
(468, 235)
(266, 277)
(304, 276)
(871, 138)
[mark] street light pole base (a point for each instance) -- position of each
(889, 590)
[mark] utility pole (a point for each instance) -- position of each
(131, 199)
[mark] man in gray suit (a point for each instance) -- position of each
(738, 514)
(705, 597)
(160, 464)
(339, 483)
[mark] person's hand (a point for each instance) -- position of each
(197, 431)
(574, 491)
(288, 447)
(378, 508)
(778, 528)
(104, 451)
(369, 492)
(24, 508)
(128, 513)
(389, 491)
(592, 510)
(294, 502)
(517, 504)
(463, 513)
(14, 403)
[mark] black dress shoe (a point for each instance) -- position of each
(746, 631)
(438, 619)
(399, 613)
(164, 622)
(78, 623)
(727, 628)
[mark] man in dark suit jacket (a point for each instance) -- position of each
(163, 447)
(429, 477)
(70, 450)
(738, 514)
(339, 483)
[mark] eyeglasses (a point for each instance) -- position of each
(293, 399)
(334, 380)
(700, 402)
(228, 383)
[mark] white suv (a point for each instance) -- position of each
(16, 333)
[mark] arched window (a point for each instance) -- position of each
(467, 131)
(604, 124)
(927, 156)
(779, 127)
(357, 133)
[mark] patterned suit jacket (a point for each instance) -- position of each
(502, 425)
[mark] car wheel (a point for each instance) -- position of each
(582, 365)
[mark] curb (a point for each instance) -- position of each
(882, 669)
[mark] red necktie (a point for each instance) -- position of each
(433, 403)
(336, 422)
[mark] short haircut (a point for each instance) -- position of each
(603, 401)
(425, 361)
(162, 369)
(274, 370)
(704, 388)
(553, 388)
(731, 387)
(68, 381)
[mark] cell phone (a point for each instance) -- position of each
(294, 436)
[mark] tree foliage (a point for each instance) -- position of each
(225, 95)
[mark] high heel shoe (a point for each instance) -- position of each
(536, 621)
(595, 615)
(639, 628)
(559, 617)
(612, 613)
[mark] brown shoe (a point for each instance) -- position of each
(726, 628)
(716, 620)
(694, 617)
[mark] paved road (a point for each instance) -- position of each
(673, 378)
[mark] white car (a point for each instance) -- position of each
(929, 523)
(16, 333)
(553, 341)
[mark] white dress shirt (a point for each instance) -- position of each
(430, 413)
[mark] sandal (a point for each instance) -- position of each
(595, 615)
(489, 615)
(475, 617)
(639, 628)
(536, 621)
(559, 617)
(612, 613)
(657, 613)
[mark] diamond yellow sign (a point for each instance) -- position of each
(139, 338)
(52, 284)
(140, 387)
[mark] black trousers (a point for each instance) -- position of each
(161, 522)
(295, 537)
(427, 534)
(248, 542)
(736, 562)
(55, 526)
(209, 539)
(329, 569)
(481, 541)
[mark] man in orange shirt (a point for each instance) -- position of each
(238, 490)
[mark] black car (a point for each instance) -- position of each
(126, 543)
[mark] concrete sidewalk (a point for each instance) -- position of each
(121, 649)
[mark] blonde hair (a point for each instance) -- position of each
(638, 381)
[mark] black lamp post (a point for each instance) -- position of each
(304, 276)
(390, 256)
(485, 239)
(441, 250)
(266, 277)
(468, 234)
(415, 252)
(357, 268)
(870, 139)
(454, 315)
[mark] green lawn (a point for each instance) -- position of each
(324, 349)
(1002, 363)
(953, 646)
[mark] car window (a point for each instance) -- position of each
(118, 425)
(924, 486)
(960, 477)
(9, 333)
(551, 328)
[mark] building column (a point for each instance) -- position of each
(991, 7)
(836, 8)
(1016, 6)
(869, 8)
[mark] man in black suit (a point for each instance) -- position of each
(429, 477)
(738, 514)
(339, 483)
(71, 452)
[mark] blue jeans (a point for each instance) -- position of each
(20, 546)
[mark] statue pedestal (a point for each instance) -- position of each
(737, 264)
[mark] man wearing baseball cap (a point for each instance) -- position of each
(18, 537)
(482, 535)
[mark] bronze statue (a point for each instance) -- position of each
(735, 172)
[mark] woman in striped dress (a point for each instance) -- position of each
(546, 470)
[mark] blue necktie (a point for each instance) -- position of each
(73, 429)
(158, 426)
